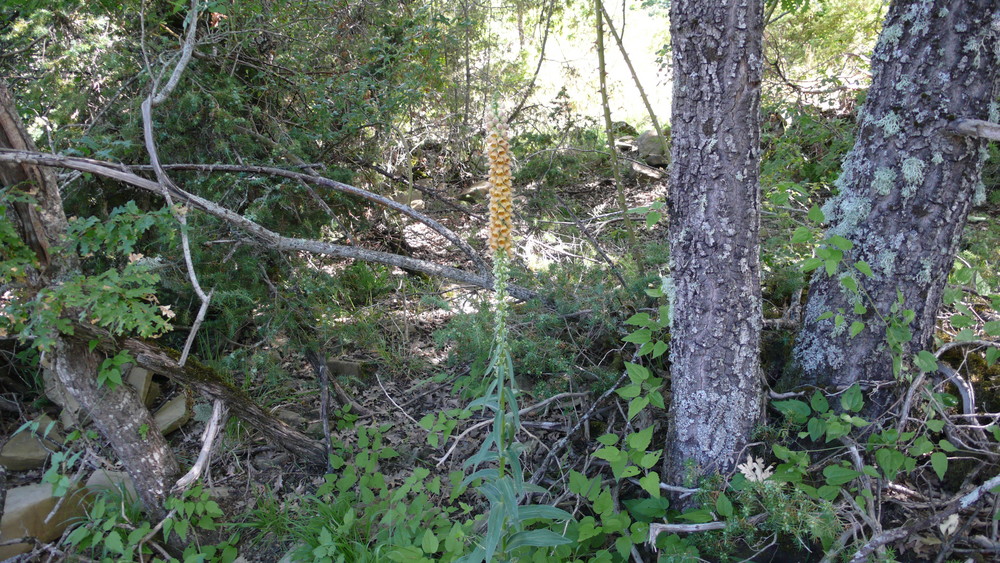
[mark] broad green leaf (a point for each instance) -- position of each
(925, 361)
(698, 516)
(640, 440)
(724, 506)
(816, 427)
(640, 336)
(802, 234)
(816, 215)
(811, 264)
(852, 400)
(636, 373)
(537, 538)
(639, 319)
(819, 403)
(992, 328)
(864, 268)
(935, 425)
(947, 446)
(856, 328)
(961, 321)
(542, 511)
(840, 242)
(849, 283)
(795, 410)
(429, 543)
(837, 475)
(608, 439)
(629, 391)
(992, 355)
(113, 542)
(939, 461)
(636, 405)
(651, 483)
(659, 347)
(890, 460)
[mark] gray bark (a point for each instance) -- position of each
(714, 223)
(907, 186)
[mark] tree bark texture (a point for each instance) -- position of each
(714, 215)
(120, 417)
(118, 413)
(907, 186)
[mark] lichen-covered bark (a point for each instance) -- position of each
(714, 224)
(908, 184)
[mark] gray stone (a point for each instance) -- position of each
(141, 380)
(650, 149)
(27, 449)
(102, 481)
(26, 510)
(172, 415)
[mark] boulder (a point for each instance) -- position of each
(25, 514)
(650, 149)
(172, 415)
(141, 380)
(27, 449)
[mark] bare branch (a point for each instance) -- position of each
(187, 49)
(961, 503)
(258, 232)
(976, 128)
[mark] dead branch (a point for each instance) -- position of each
(210, 383)
(260, 233)
(960, 503)
(976, 128)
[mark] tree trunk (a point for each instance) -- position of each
(118, 413)
(714, 223)
(907, 186)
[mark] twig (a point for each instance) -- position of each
(961, 503)
(319, 364)
(393, 401)
(655, 528)
(537, 475)
(976, 128)
(521, 412)
(215, 424)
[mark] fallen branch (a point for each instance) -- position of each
(259, 232)
(210, 383)
(976, 128)
(959, 504)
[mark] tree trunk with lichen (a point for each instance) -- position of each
(905, 190)
(714, 223)
(118, 413)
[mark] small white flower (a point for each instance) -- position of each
(754, 469)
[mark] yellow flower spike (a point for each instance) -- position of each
(501, 206)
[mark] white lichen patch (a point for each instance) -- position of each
(884, 180)
(926, 267)
(937, 158)
(913, 170)
(849, 212)
(890, 123)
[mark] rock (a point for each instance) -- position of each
(141, 380)
(621, 128)
(104, 481)
(476, 193)
(172, 415)
(651, 149)
(293, 419)
(153, 394)
(26, 510)
(27, 449)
